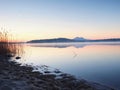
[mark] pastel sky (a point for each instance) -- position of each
(40, 19)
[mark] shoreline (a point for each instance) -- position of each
(13, 76)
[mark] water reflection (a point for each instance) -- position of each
(97, 62)
(8, 50)
(76, 45)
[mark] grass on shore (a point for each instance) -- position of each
(7, 47)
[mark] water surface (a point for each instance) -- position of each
(98, 62)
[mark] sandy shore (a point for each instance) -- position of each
(13, 76)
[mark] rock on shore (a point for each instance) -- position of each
(16, 77)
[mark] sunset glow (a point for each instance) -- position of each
(41, 19)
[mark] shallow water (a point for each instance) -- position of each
(98, 62)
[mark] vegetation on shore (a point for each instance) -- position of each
(7, 47)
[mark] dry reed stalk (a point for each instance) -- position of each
(7, 47)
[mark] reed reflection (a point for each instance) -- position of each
(8, 48)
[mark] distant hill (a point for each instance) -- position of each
(51, 40)
(79, 39)
(106, 40)
(76, 39)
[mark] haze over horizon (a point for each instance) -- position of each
(42, 19)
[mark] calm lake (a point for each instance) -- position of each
(97, 62)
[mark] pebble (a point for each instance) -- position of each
(24, 77)
(5, 88)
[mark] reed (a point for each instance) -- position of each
(7, 46)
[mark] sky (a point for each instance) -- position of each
(41, 19)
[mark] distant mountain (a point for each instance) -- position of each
(76, 39)
(79, 39)
(51, 40)
(107, 40)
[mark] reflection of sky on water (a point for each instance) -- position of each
(97, 62)
(76, 45)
